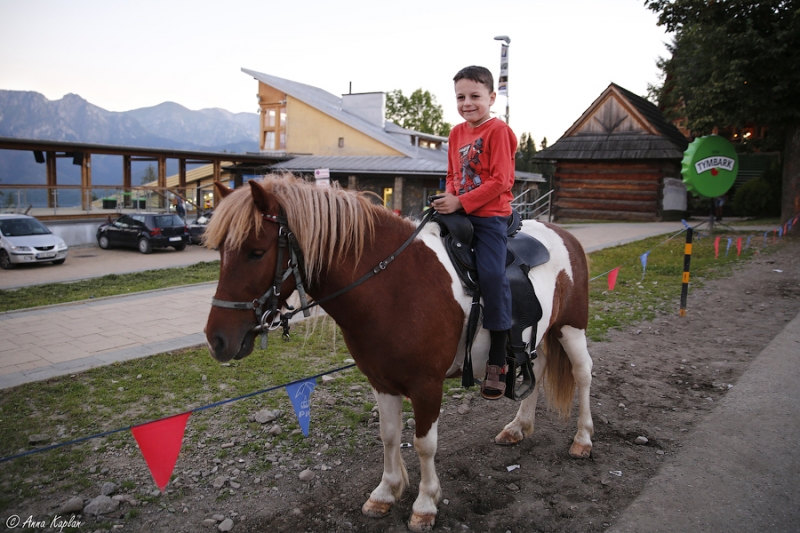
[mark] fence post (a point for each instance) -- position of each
(687, 260)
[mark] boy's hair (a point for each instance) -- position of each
(476, 74)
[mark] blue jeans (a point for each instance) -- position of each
(490, 256)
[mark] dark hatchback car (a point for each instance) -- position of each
(144, 231)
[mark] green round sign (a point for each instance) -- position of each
(709, 166)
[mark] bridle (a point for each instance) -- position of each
(266, 307)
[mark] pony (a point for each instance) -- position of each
(390, 287)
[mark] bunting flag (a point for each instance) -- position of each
(299, 394)
(738, 247)
(728, 247)
(780, 232)
(747, 244)
(643, 259)
(612, 278)
(160, 443)
(716, 248)
(765, 237)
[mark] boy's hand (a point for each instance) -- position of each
(447, 204)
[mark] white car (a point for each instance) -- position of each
(23, 239)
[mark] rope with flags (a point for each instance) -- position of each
(160, 440)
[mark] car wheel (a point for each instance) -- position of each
(180, 247)
(144, 246)
(59, 261)
(5, 261)
(102, 241)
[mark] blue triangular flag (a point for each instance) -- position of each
(729, 246)
(765, 237)
(299, 394)
(643, 259)
(747, 244)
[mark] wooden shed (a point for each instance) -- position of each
(616, 160)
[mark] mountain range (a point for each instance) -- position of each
(30, 115)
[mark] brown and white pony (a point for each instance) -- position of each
(405, 327)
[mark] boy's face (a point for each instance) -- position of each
(473, 100)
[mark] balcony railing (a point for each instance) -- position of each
(66, 200)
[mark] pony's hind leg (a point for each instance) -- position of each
(574, 342)
(522, 425)
(395, 477)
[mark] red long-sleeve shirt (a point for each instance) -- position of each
(480, 167)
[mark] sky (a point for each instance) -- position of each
(122, 55)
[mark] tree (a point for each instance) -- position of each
(736, 62)
(149, 175)
(525, 152)
(418, 112)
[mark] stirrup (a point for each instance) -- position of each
(495, 381)
(520, 380)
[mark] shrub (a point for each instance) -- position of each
(761, 196)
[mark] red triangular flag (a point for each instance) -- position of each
(738, 247)
(160, 442)
(716, 248)
(612, 278)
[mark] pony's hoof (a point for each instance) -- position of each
(508, 438)
(580, 451)
(375, 509)
(421, 522)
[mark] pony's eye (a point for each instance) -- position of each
(256, 254)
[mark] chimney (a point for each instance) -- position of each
(367, 106)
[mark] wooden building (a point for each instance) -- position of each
(616, 162)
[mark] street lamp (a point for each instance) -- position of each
(504, 70)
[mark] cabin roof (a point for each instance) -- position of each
(618, 125)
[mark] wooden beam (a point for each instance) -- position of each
(182, 177)
(217, 174)
(52, 178)
(126, 172)
(86, 181)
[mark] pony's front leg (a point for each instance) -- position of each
(426, 505)
(395, 477)
(522, 425)
(574, 342)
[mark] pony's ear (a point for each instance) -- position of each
(222, 190)
(261, 198)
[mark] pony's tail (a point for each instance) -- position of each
(559, 383)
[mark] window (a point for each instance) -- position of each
(341, 142)
(387, 197)
(274, 127)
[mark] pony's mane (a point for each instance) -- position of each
(327, 221)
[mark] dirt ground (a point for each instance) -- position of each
(655, 379)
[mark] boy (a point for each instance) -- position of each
(480, 174)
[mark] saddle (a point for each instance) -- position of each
(523, 253)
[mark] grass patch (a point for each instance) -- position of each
(110, 285)
(636, 298)
(129, 393)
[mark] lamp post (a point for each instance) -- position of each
(503, 88)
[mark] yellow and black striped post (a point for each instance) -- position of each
(687, 260)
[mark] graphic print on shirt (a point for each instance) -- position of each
(471, 166)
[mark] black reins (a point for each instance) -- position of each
(287, 240)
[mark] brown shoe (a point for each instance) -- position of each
(494, 385)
